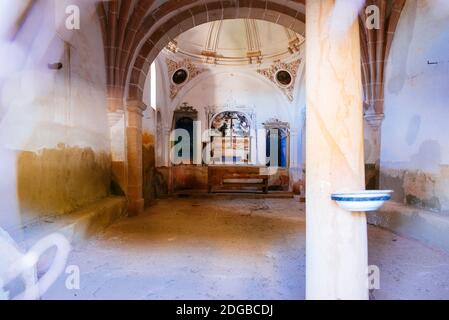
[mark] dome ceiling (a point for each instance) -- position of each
(239, 41)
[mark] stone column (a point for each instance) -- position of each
(294, 152)
(167, 146)
(116, 121)
(135, 111)
(336, 259)
(167, 157)
(116, 127)
(372, 157)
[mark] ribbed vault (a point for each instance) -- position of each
(134, 32)
(375, 48)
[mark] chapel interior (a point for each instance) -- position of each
(192, 149)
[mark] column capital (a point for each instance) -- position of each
(114, 117)
(374, 120)
(136, 106)
(166, 130)
(114, 104)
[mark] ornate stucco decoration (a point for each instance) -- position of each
(294, 41)
(291, 67)
(192, 70)
(212, 111)
(172, 46)
(237, 42)
(276, 124)
(184, 111)
(186, 108)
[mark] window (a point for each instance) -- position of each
(153, 86)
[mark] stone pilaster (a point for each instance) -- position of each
(116, 122)
(167, 156)
(167, 146)
(114, 117)
(374, 122)
(372, 154)
(134, 111)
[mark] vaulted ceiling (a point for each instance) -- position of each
(237, 42)
(375, 49)
(135, 31)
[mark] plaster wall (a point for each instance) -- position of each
(55, 121)
(221, 88)
(233, 88)
(154, 183)
(415, 152)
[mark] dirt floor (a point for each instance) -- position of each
(233, 249)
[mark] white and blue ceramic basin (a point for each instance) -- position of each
(362, 201)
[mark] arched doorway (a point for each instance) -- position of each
(334, 121)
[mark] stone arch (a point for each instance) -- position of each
(134, 35)
(185, 20)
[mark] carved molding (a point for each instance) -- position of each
(374, 120)
(276, 124)
(136, 106)
(291, 67)
(115, 117)
(213, 111)
(294, 41)
(185, 110)
(192, 70)
(172, 46)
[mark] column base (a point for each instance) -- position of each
(135, 207)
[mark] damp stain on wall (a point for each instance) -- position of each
(418, 188)
(154, 181)
(371, 176)
(61, 180)
(187, 177)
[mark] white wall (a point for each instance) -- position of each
(230, 89)
(415, 130)
(52, 109)
(415, 152)
(44, 108)
(234, 88)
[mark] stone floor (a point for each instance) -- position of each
(232, 249)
